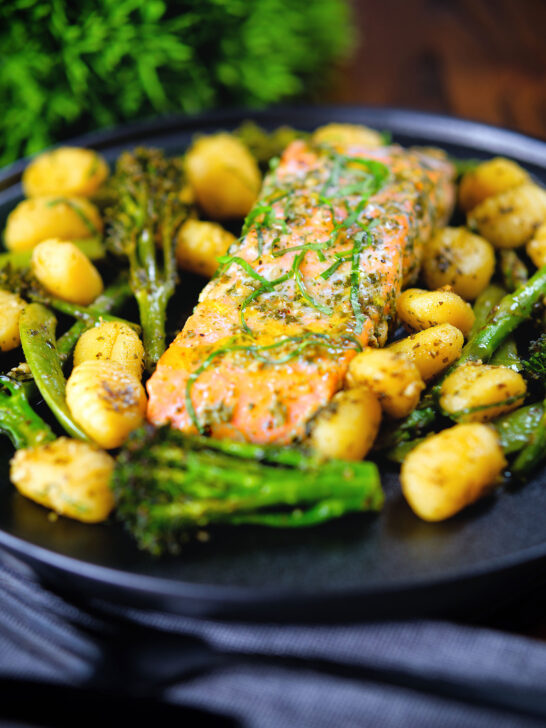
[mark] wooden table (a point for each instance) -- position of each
(480, 59)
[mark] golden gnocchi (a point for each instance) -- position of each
(393, 378)
(477, 392)
(66, 272)
(65, 172)
(347, 427)
(451, 470)
(112, 340)
(69, 476)
(42, 218)
(106, 401)
(419, 309)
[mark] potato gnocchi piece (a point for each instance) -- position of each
(11, 306)
(69, 476)
(199, 244)
(347, 427)
(510, 219)
(112, 340)
(451, 470)
(457, 258)
(536, 248)
(106, 401)
(480, 392)
(419, 309)
(66, 272)
(488, 179)
(224, 176)
(65, 172)
(42, 218)
(343, 134)
(431, 350)
(389, 375)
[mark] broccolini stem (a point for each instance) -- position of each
(153, 311)
(167, 484)
(17, 418)
(37, 328)
(142, 225)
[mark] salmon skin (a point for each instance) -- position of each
(313, 279)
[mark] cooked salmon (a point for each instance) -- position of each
(324, 254)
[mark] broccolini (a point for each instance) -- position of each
(167, 485)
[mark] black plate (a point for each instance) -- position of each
(391, 564)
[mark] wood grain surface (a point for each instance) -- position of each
(479, 59)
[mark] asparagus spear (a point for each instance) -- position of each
(511, 311)
(167, 484)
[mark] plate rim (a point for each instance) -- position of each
(441, 128)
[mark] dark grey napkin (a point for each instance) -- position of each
(419, 673)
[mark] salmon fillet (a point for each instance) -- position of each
(324, 254)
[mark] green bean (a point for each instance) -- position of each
(513, 269)
(37, 328)
(534, 452)
(516, 428)
(484, 304)
(507, 355)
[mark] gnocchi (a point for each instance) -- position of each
(69, 476)
(509, 220)
(66, 172)
(343, 134)
(457, 258)
(419, 309)
(106, 400)
(480, 392)
(451, 470)
(224, 176)
(347, 427)
(42, 218)
(66, 272)
(390, 376)
(488, 179)
(199, 244)
(431, 350)
(11, 306)
(112, 341)
(536, 248)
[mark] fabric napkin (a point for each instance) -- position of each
(57, 657)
